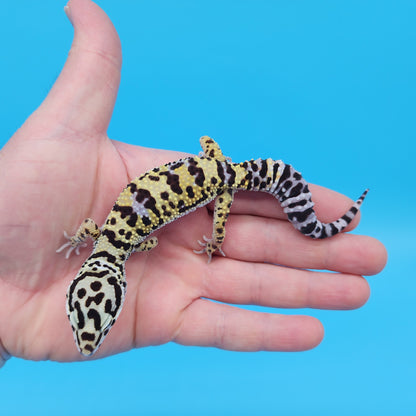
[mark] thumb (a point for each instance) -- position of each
(83, 97)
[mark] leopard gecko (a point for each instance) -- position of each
(95, 297)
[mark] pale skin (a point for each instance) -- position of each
(61, 167)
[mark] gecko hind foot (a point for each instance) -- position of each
(209, 247)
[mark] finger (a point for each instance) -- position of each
(281, 287)
(83, 97)
(206, 323)
(329, 205)
(256, 239)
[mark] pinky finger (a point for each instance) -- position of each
(210, 324)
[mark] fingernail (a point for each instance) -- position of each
(68, 13)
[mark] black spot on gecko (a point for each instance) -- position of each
(353, 210)
(296, 190)
(87, 336)
(97, 299)
(142, 195)
(287, 185)
(220, 171)
(150, 203)
(96, 286)
(285, 174)
(89, 347)
(307, 229)
(333, 229)
(173, 181)
(197, 172)
(146, 221)
(107, 307)
(323, 233)
(80, 316)
(94, 274)
(231, 175)
(190, 191)
(107, 266)
(133, 187)
(132, 221)
(117, 293)
(81, 293)
(105, 254)
(254, 166)
(248, 180)
(263, 170)
(300, 216)
(176, 165)
(182, 208)
(275, 171)
(124, 211)
(164, 195)
(93, 314)
(300, 203)
(112, 239)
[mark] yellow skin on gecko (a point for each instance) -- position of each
(95, 297)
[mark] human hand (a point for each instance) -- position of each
(61, 167)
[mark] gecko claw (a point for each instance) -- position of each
(208, 247)
(71, 246)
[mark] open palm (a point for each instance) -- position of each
(61, 167)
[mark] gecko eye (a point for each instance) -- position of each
(93, 305)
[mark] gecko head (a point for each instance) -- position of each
(94, 301)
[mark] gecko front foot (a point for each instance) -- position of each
(71, 245)
(87, 229)
(209, 247)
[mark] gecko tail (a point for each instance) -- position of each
(321, 230)
(296, 200)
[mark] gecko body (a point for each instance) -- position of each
(95, 297)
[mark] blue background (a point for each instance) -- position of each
(328, 86)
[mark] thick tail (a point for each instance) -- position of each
(294, 196)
